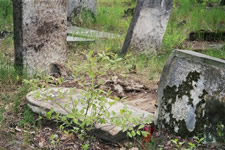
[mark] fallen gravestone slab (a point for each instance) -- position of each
(148, 25)
(90, 33)
(61, 102)
(78, 39)
(191, 95)
(39, 34)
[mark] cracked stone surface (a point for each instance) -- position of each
(39, 34)
(191, 95)
(148, 25)
(60, 97)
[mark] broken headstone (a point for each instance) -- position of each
(148, 25)
(191, 95)
(39, 34)
(61, 100)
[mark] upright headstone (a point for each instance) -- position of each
(148, 25)
(191, 96)
(75, 6)
(39, 33)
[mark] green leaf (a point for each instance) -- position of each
(201, 140)
(144, 133)
(71, 116)
(133, 133)
(49, 114)
(129, 134)
(121, 111)
(111, 103)
(141, 126)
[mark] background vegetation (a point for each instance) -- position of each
(112, 16)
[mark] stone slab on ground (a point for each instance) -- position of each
(39, 34)
(78, 39)
(38, 102)
(90, 33)
(191, 95)
(148, 25)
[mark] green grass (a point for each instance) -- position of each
(6, 17)
(188, 16)
(216, 53)
(8, 75)
(110, 16)
(27, 119)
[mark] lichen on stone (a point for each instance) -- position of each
(180, 104)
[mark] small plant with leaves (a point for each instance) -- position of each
(93, 107)
(177, 143)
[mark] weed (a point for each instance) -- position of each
(177, 143)
(197, 143)
(17, 99)
(27, 119)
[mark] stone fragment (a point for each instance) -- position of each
(39, 33)
(61, 100)
(75, 6)
(191, 95)
(77, 31)
(148, 25)
(78, 39)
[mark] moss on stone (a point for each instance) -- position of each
(169, 98)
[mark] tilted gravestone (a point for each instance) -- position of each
(191, 95)
(39, 33)
(75, 6)
(148, 25)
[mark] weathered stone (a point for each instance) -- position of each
(75, 6)
(148, 25)
(78, 39)
(191, 95)
(39, 33)
(61, 100)
(90, 33)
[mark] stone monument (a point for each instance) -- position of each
(191, 96)
(148, 25)
(39, 34)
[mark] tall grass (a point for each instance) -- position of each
(188, 16)
(6, 17)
